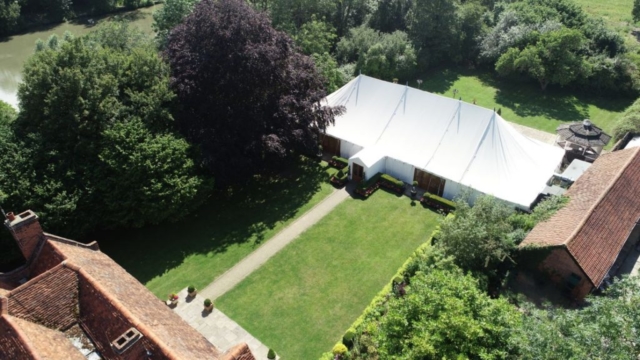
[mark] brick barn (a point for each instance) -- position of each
(584, 243)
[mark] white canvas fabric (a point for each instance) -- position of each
(461, 142)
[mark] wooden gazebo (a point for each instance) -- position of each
(582, 140)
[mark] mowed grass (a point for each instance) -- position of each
(615, 12)
(198, 248)
(303, 299)
(523, 102)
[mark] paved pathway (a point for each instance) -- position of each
(217, 327)
(540, 135)
(249, 264)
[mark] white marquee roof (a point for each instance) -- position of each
(455, 140)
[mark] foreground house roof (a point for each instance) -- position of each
(603, 209)
(71, 301)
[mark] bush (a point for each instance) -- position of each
(191, 289)
(208, 302)
(628, 122)
(347, 339)
(339, 350)
(392, 182)
(367, 187)
(271, 354)
(341, 177)
(338, 162)
(438, 202)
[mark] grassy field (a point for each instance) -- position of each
(616, 13)
(303, 299)
(198, 248)
(525, 103)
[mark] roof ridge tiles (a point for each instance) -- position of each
(140, 326)
(92, 245)
(24, 339)
(601, 197)
(36, 279)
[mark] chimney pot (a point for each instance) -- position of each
(11, 216)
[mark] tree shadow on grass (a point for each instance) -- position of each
(235, 215)
(437, 80)
(526, 99)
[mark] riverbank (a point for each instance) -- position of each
(16, 49)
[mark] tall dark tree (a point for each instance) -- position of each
(249, 99)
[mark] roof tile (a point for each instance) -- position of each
(601, 213)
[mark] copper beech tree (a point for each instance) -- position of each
(247, 97)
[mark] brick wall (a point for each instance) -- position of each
(49, 258)
(560, 265)
(50, 300)
(104, 322)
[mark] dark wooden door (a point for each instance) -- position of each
(331, 145)
(358, 172)
(431, 183)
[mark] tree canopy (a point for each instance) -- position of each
(98, 147)
(605, 329)
(248, 98)
(552, 59)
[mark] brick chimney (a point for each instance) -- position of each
(26, 230)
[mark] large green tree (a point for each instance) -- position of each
(103, 151)
(9, 15)
(377, 54)
(169, 15)
(553, 59)
(444, 315)
(248, 98)
(607, 328)
(478, 236)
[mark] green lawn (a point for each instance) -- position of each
(615, 12)
(304, 298)
(524, 103)
(203, 245)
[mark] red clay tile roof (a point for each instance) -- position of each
(48, 344)
(75, 286)
(13, 343)
(50, 299)
(110, 289)
(603, 208)
(239, 352)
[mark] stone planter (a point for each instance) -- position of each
(209, 308)
(193, 294)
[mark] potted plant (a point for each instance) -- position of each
(271, 354)
(173, 299)
(192, 291)
(413, 190)
(208, 305)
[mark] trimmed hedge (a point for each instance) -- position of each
(438, 203)
(338, 162)
(383, 295)
(366, 188)
(392, 183)
(341, 177)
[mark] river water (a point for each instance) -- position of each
(15, 50)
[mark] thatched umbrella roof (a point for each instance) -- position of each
(583, 133)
